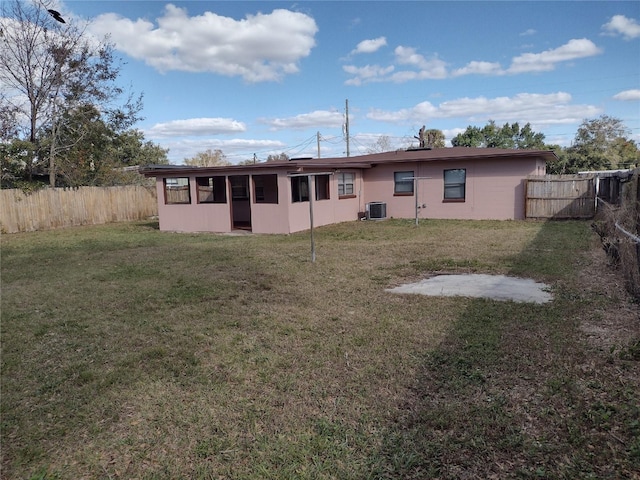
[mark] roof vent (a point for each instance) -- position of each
(300, 158)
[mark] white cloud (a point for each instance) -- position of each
(547, 60)
(416, 113)
(629, 28)
(410, 65)
(370, 46)
(528, 32)
(433, 68)
(628, 95)
(541, 109)
(406, 56)
(479, 68)
(196, 127)
(316, 119)
(234, 149)
(368, 73)
(261, 47)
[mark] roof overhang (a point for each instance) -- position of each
(360, 162)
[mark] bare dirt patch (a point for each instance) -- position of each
(616, 324)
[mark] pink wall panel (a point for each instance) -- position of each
(209, 217)
(273, 217)
(326, 212)
(494, 189)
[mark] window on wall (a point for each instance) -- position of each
(454, 184)
(403, 183)
(265, 188)
(322, 187)
(346, 184)
(211, 189)
(176, 190)
(299, 189)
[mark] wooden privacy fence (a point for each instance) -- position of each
(560, 196)
(62, 207)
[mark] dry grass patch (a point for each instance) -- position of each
(132, 353)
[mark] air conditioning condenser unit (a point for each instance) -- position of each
(376, 210)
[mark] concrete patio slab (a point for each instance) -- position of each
(496, 287)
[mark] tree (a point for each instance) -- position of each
(8, 119)
(208, 158)
(602, 143)
(559, 166)
(50, 69)
(96, 152)
(471, 137)
(625, 153)
(13, 158)
(498, 137)
(281, 157)
(493, 136)
(527, 139)
(434, 138)
(130, 148)
(383, 144)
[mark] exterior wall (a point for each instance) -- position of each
(379, 185)
(193, 217)
(494, 189)
(217, 217)
(272, 217)
(281, 218)
(326, 212)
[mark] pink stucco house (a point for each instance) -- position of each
(274, 197)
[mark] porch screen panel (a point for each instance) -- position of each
(265, 188)
(212, 189)
(176, 190)
(299, 189)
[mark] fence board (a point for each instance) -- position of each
(62, 207)
(560, 196)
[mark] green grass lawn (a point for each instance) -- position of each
(133, 353)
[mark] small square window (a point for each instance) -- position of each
(403, 183)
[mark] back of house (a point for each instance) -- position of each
(280, 197)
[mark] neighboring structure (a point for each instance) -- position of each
(272, 197)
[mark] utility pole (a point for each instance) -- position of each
(346, 125)
(318, 136)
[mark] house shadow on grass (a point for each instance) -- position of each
(513, 392)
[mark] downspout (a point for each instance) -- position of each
(360, 193)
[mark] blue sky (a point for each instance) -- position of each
(264, 77)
